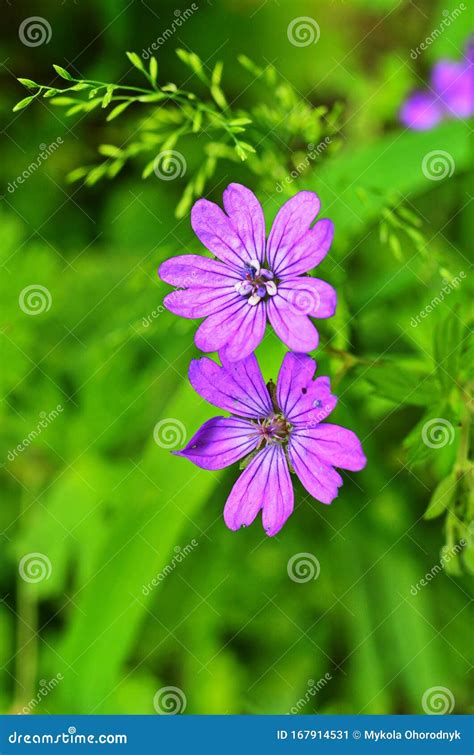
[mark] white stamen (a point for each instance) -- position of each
(243, 287)
(271, 288)
(254, 299)
(255, 264)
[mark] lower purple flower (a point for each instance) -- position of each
(275, 429)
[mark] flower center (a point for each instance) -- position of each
(257, 282)
(275, 429)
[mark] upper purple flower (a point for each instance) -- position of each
(253, 280)
(281, 427)
(451, 94)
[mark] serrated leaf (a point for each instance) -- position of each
(63, 73)
(443, 496)
(403, 385)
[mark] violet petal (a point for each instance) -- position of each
(221, 441)
(265, 484)
(236, 387)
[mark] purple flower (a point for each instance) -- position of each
(252, 280)
(451, 94)
(279, 428)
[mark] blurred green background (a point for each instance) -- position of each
(138, 584)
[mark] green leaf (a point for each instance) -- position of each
(155, 97)
(63, 73)
(23, 103)
(29, 84)
(118, 110)
(136, 61)
(77, 174)
(194, 62)
(108, 96)
(216, 75)
(443, 496)
(110, 150)
(218, 96)
(64, 101)
(79, 87)
(153, 69)
(403, 383)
